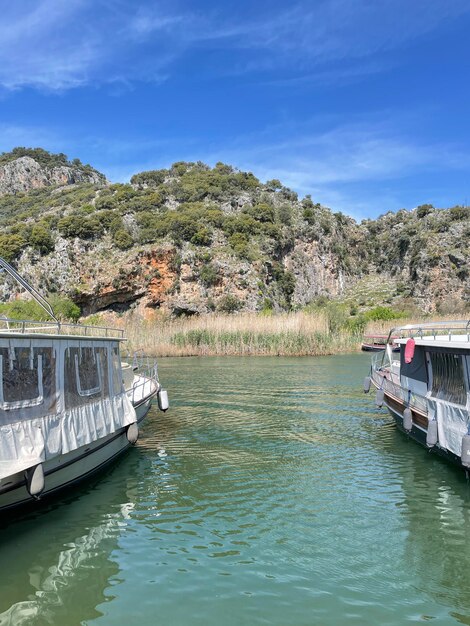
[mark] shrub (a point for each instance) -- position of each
(382, 313)
(11, 246)
(123, 239)
(209, 275)
(151, 178)
(229, 304)
(262, 213)
(241, 224)
(40, 238)
(182, 226)
(239, 243)
(64, 309)
(274, 184)
(76, 225)
(423, 210)
(202, 237)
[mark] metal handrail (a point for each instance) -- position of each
(415, 400)
(148, 372)
(425, 329)
(40, 299)
(59, 328)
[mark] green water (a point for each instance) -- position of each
(273, 492)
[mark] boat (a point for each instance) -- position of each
(69, 405)
(377, 343)
(426, 387)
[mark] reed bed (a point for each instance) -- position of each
(290, 334)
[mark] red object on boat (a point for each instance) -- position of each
(409, 350)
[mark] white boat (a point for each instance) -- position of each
(68, 405)
(426, 387)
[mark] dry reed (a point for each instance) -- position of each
(290, 334)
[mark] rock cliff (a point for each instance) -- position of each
(24, 173)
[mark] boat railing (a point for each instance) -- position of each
(382, 381)
(453, 330)
(26, 327)
(146, 379)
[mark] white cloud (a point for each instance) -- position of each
(62, 44)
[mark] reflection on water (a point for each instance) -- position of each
(272, 493)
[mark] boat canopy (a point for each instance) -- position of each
(57, 394)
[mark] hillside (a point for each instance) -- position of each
(192, 239)
(24, 169)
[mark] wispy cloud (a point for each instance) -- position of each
(62, 44)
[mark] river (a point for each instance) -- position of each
(273, 492)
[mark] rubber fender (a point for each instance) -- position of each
(379, 398)
(132, 433)
(163, 402)
(367, 384)
(35, 481)
(407, 419)
(465, 454)
(431, 436)
(410, 350)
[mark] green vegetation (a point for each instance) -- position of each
(64, 309)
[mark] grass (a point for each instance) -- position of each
(292, 334)
(289, 334)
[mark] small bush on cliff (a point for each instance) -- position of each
(383, 313)
(76, 225)
(209, 275)
(202, 237)
(229, 304)
(40, 238)
(123, 239)
(11, 246)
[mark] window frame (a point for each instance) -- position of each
(86, 393)
(23, 404)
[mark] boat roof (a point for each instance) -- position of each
(440, 341)
(444, 334)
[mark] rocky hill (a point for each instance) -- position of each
(25, 169)
(192, 239)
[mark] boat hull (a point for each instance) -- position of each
(418, 433)
(65, 471)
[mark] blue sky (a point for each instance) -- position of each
(364, 104)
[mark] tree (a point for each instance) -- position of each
(11, 246)
(41, 239)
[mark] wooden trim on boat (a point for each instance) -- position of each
(397, 404)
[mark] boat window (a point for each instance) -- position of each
(86, 375)
(117, 371)
(27, 378)
(448, 379)
(87, 372)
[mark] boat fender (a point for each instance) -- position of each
(409, 350)
(35, 480)
(367, 384)
(431, 436)
(132, 433)
(407, 419)
(465, 455)
(163, 402)
(379, 398)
